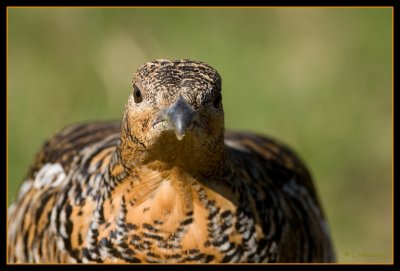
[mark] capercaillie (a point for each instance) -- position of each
(167, 184)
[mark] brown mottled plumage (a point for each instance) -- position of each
(167, 184)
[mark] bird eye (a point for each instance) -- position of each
(137, 95)
(217, 101)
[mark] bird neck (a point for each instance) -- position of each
(171, 186)
(189, 155)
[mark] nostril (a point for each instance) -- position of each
(160, 117)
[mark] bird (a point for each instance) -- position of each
(167, 184)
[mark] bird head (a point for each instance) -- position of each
(174, 113)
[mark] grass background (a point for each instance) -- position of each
(319, 79)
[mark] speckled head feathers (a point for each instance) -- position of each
(163, 80)
(175, 108)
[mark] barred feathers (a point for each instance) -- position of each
(147, 190)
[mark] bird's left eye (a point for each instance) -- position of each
(217, 101)
(137, 94)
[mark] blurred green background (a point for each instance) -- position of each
(319, 79)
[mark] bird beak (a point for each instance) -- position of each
(180, 115)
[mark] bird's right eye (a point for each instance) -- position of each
(137, 94)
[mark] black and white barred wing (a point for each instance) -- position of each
(284, 197)
(38, 221)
